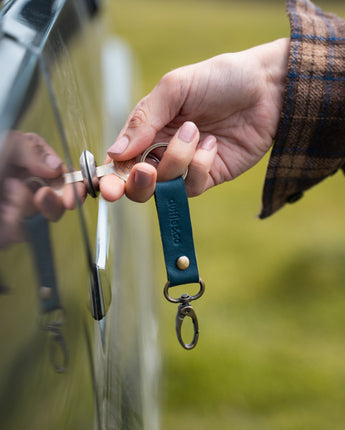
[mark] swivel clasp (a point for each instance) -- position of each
(186, 310)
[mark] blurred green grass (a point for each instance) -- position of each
(271, 351)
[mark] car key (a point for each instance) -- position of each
(90, 173)
(121, 169)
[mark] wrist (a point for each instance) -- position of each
(274, 61)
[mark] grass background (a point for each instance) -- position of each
(271, 351)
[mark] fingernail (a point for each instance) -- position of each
(187, 132)
(119, 146)
(142, 179)
(208, 143)
(53, 161)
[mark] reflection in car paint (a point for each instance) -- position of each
(52, 313)
(51, 84)
(24, 217)
(27, 163)
(27, 204)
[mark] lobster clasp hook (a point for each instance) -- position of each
(186, 310)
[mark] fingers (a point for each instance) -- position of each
(15, 207)
(183, 151)
(141, 183)
(199, 179)
(139, 187)
(49, 204)
(111, 187)
(179, 153)
(70, 192)
(151, 114)
(34, 154)
(186, 152)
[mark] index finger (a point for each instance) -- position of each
(151, 115)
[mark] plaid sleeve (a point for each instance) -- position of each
(310, 142)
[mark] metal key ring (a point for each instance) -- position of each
(153, 147)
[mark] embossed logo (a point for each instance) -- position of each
(174, 222)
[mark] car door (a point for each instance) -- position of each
(71, 357)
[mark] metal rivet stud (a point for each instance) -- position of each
(183, 263)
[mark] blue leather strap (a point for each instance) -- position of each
(176, 231)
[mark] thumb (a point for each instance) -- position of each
(149, 116)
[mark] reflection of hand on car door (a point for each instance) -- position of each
(29, 170)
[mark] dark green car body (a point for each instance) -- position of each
(77, 331)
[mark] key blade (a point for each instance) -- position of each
(106, 169)
(72, 177)
(121, 169)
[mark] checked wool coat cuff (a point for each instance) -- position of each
(310, 142)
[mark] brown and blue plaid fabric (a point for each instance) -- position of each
(310, 142)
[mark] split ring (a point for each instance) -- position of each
(153, 147)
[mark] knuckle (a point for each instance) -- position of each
(168, 79)
(172, 83)
(178, 158)
(196, 179)
(198, 168)
(194, 190)
(138, 118)
(31, 135)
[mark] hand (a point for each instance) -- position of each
(219, 116)
(29, 168)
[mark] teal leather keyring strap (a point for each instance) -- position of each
(176, 232)
(179, 253)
